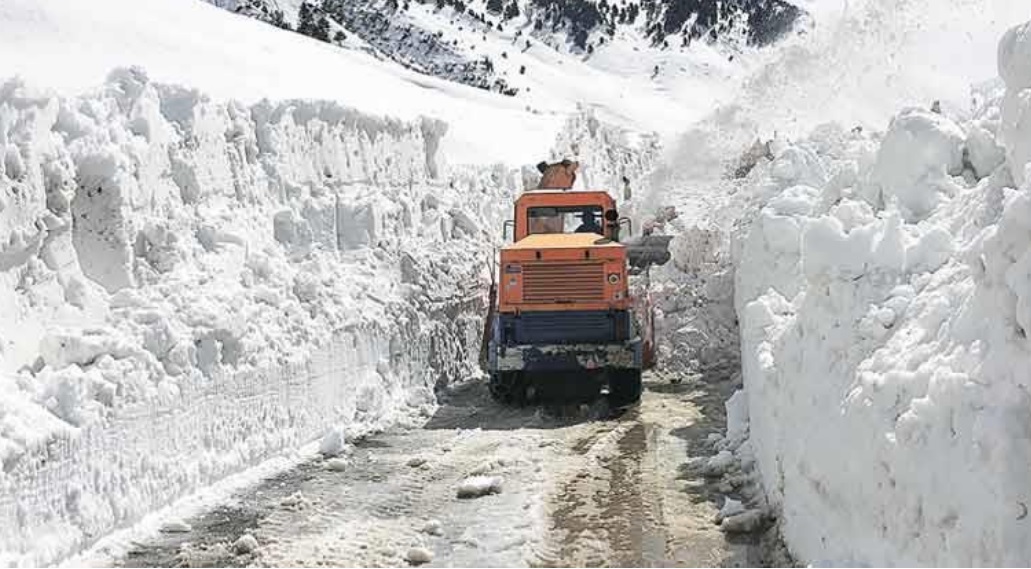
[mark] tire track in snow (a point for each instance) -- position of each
(630, 501)
(576, 491)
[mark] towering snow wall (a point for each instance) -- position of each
(188, 287)
(884, 295)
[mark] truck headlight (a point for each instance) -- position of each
(613, 278)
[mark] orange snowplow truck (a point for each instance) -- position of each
(565, 326)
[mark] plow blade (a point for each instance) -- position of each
(646, 250)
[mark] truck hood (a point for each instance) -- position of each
(563, 241)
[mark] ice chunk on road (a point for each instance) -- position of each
(477, 486)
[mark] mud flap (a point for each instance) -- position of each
(644, 321)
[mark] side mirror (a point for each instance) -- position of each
(504, 232)
(611, 215)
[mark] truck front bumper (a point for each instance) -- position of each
(562, 357)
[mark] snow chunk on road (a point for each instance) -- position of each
(419, 555)
(433, 527)
(245, 545)
(718, 464)
(488, 466)
(744, 522)
(337, 464)
(175, 526)
(295, 501)
(333, 442)
(477, 486)
(731, 507)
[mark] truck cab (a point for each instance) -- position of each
(563, 326)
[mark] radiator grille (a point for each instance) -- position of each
(563, 282)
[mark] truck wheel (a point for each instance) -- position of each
(506, 387)
(624, 387)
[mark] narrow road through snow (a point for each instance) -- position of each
(578, 487)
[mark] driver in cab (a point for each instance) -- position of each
(589, 223)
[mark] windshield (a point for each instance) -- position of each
(571, 219)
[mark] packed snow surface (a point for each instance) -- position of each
(884, 294)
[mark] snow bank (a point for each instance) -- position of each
(1015, 69)
(884, 298)
(188, 287)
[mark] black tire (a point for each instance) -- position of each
(624, 387)
(506, 387)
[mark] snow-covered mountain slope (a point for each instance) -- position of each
(860, 62)
(473, 42)
(71, 46)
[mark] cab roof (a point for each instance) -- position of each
(566, 197)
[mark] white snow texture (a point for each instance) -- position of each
(884, 297)
(188, 287)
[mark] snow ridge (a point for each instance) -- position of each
(188, 287)
(883, 295)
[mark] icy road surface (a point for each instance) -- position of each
(578, 487)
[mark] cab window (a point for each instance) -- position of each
(566, 219)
